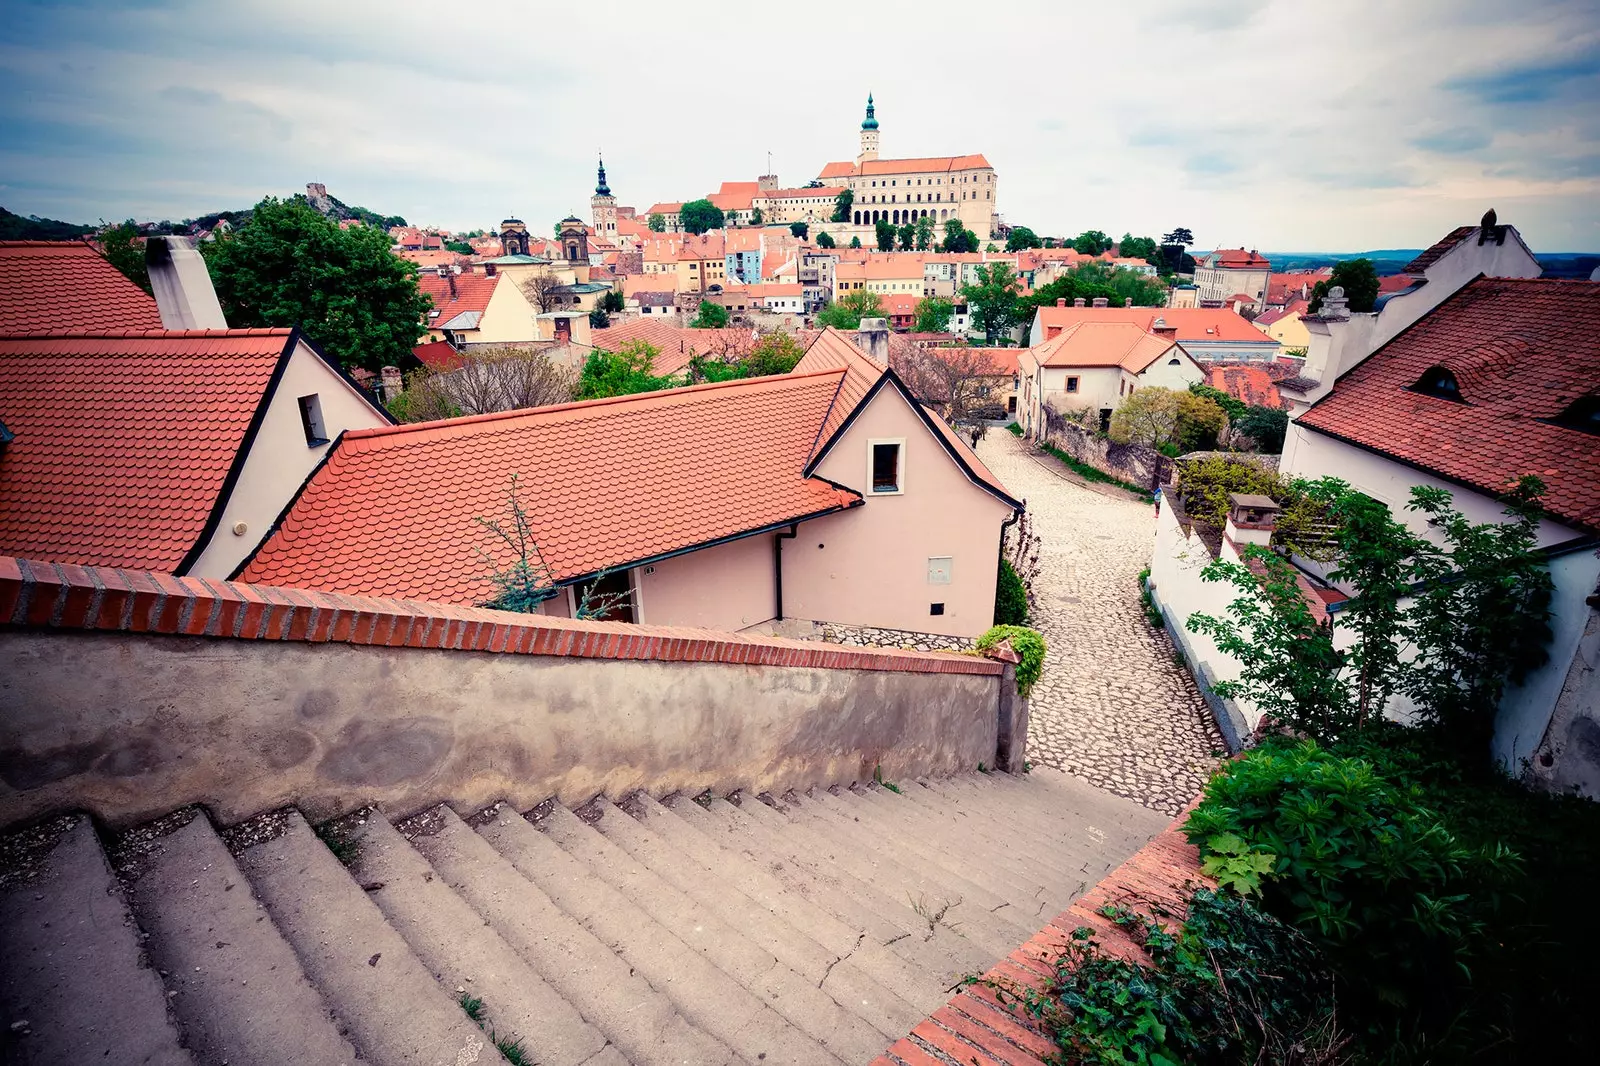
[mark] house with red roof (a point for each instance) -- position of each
(66, 286)
(473, 308)
(1209, 334)
(1284, 325)
(827, 495)
(1095, 364)
(1227, 272)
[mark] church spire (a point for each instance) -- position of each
(600, 188)
(871, 122)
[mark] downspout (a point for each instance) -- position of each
(777, 563)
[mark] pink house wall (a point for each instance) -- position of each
(871, 567)
(729, 587)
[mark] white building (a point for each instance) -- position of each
(1095, 365)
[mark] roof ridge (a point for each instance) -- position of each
(151, 334)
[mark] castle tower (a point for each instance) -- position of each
(869, 134)
(604, 207)
(514, 237)
(574, 241)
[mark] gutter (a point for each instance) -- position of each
(777, 564)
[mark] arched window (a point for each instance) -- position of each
(1440, 382)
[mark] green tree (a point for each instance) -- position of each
(842, 205)
(824, 240)
(458, 247)
(1148, 417)
(886, 235)
(908, 237)
(1021, 237)
(774, 353)
(1091, 242)
(599, 318)
(1235, 408)
(924, 226)
(1131, 247)
(957, 238)
(1201, 421)
(1091, 280)
(123, 247)
(621, 373)
(757, 218)
(847, 313)
(710, 316)
(1358, 277)
(993, 300)
(613, 301)
(855, 242)
(933, 314)
(799, 229)
(657, 222)
(699, 216)
(289, 265)
(1267, 426)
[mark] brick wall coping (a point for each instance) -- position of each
(975, 1025)
(63, 596)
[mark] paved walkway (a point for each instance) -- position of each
(1112, 707)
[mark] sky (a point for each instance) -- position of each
(1272, 124)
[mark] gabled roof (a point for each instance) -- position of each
(1438, 250)
(1004, 360)
(1193, 324)
(1522, 351)
(67, 287)
(464, 309)
(125, 442)
(605, 483)
(439, 356)
(676, 344)
(1296, 306)
(1236, 259)
(1097, 344)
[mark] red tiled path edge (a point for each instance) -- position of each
(976, 1027)
(68, 597)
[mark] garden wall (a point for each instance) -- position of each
(1133, 463)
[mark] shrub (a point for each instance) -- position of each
(1010, 598)
(1205, 484)
(1028, 643)
(1014, 428)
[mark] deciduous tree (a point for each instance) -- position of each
(657, 222)
(799, 229)
(710, 316)
(1091, 242)
(1021, 237)
(699, 216)
(824, 239)
(908, 237)
(542, 291)
(886, 235)
(621, 373)
(123, 247)
(847, 313)
(1148, 417)
(1358, 278)
(482, 380)
(842, 205)
(924, 226)
(957, 238)
(933, 314)
(993, 300)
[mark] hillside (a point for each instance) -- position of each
(14, 227)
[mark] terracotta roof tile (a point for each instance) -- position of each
(676, 344)
(67, 287)
(1440, 247)
(605, 483)
(1522, 351)
(1237, 259)
(1213, 324)
(1004, 359)
(473, 293)
(123, 441)
(1085, 344)
(1249, 384)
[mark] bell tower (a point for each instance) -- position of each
(603, 206)
(869, 134)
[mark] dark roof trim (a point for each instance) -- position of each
(344, 375)
(277, 523)
(849, 419)
(240, 455)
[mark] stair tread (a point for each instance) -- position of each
(71, 968)
(241, 995)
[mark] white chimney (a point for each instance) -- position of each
(872, 337)
(182, 285)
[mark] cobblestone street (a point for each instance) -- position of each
(1112, 706)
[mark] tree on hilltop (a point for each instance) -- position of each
(1091, 242)
(700, 216)
(1021, 237)
(1358, 278)
(847, 313)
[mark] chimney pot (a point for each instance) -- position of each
(1127, 301)
(1100, 301)
(1078, 302)
(1061, 301)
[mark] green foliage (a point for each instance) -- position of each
(1235, 408)
(924, 229)
(1204, 486)
(886, 234)
(1014, 429)
(1359, 279)
(908, 237)
(473, 1005)
(599, 317)
(842, 205)
(933, 314)
(612, 301)
(1027, 643)
(957, 238)
(698, 216)
(289, 265)
(459, 247)
(799, 229)
(757, 218)
(993, 299)
(621, 373)
(1090, 281)
(1201, 421)
(1233, 864)
(824, 239)
(1152, 613)
(656, 223)
(1010, 597)
(123, 247)
(1021, 237)
(1091, 242)
(14, 227)
(1267, 426)
(847, 313)
(855, 242)
(1131, 247)
(710, 316)
(1089, 473)
(775, 353)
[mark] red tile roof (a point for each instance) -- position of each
(676, 344)
(1089, 344)
(1249, 384)
(1281, 288)
(473, 293)
(1237, 259)
(1522, 350)
(1198, 324)
(1439, 249)
(395, 512)
(1003, 359)
(67, 287)
(125, 441)
(440, 356)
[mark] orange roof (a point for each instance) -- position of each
(66, 286)
(663, 209)
(743, 239)
(613, 482)
(676, 344)
(432, 259)
(900, 303)
(917, 166)
(441, 356)
(1087, 344)
(734, 200)
(660, 281)
(1197, 324)
(1249, 384)
(125, 442)
(1237, 259)
(473, 293)
(837, 170)
(770, 289)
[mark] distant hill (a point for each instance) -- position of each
(14, 227)
(1393, 260)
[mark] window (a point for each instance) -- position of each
(1581, 414)
(1072, 384)
(884, 457)
(1437, 381)
(311, 421)
(1173, 361)
(936, 608)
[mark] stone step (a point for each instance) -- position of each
(465, 955)
(71, 971)
(703, 994)
(636, 1017)
(236, 986)
(714, 933)
(393, 1009)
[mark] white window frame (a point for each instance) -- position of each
(900, 468)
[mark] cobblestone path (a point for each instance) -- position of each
(1112, 707)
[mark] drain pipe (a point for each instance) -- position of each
(777, 563)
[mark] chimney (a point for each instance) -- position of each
(1061, 301)
(1127, 301)
(1077, 302)
(872, 337)
(1251, 519)
(391, 384)
(1160, 328)
(1334, 305)
(182, 285)
(1099, 301)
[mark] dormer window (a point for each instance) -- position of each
(1437, 381)
(1582, 414)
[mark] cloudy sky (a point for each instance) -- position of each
(1275, 124)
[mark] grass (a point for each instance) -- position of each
(512, 1051)
(877, 775)
(1089, 473)
(1014, 429)
(344, 848)
(1152, 613)
(472, 1005)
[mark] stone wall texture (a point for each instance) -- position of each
(1133, 463)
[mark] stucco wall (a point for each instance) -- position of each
(727, 587)
(280, 460)
(869, 565)
(130, 727)
(508, 319)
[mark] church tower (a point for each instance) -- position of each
(604, 207)
(869, 135)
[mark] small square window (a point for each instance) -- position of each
(936, 608)
(1072, 384)
(311, 421)
(885, 457)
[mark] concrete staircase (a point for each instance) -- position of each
(800, 929)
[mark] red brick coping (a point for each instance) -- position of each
(976, 1027)
(65, 596)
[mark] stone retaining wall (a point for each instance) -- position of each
(1134, 463)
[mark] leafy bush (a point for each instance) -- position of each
(1010, 598)
(1205, 484)
(1014, 428)
(1028, 643)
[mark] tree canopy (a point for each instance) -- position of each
(774, 353)
(657, 222)
(710, 316)
(123, 247)
(699, 216)
(908, 237)
(957, 238)
(993, 300)
(886, 235)
(855, 242)
(924, 227)
(1360, 281)
(842, 205)
(1091, 242)
(621, 373)
(933, 314)
(1180, 236)
(290, 265)
(1021, 237)
(847, 313)
(1091, 280)
(799, 229)
(1131, 247)
(824, 239)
